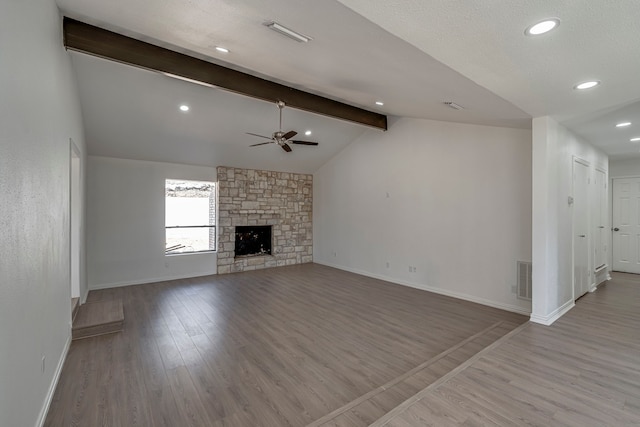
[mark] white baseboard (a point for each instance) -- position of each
(458, 295)
(553, 316)
(54, 383)
(144, 281)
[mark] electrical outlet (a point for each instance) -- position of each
(335, 254)
(410, 269)
(387, 264)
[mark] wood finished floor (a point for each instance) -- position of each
(277, 347)
(584, 370)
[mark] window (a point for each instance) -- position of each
(190, 216)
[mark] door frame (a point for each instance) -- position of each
(576, 159)
(75, 220)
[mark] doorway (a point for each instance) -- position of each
(75, 192)
(581, 271)
(626, 225)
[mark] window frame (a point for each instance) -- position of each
(208, 226)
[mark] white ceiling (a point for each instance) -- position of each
(401, 52)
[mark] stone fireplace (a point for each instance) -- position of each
(281, 200)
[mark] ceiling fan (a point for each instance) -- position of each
(283, 139)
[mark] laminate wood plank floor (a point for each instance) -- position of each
(584, 370)
(276, 347)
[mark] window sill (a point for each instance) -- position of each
(191, 253)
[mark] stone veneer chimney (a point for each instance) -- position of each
(255, 197)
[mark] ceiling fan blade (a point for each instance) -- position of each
(261, 143)
(304, 142)
(260, 136)
(286, 147)
(289, 134)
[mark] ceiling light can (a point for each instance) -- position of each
(184, 108)
(542, 27)
(587, 85)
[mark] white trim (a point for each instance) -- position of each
(52, 388)
(553, 316)
(458, 295)
(144, 281)
(83, 298)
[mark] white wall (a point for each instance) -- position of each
(39, 112)
(453, 200)
(624, 168)
(554, 150)
(125, 223)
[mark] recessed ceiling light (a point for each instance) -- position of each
(379, 103)
(587, 85)
(623, 124)
(542, 27)
(635, 139)
(184, 108)
(222, 49)
(308, 133)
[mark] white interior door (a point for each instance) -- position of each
(599, 223)
(626, 225)
(581, 272)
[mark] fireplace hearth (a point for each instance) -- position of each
(253, 240)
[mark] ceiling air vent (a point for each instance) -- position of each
(453, 105)
(524, 280)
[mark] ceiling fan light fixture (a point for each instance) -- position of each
(542, 27)
(288, 32)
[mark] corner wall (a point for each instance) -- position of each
(126, 223)
(39, 113)
(554, 150)
(451, 200)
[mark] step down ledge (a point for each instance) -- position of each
(98, 318)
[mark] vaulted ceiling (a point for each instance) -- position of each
(412, 55)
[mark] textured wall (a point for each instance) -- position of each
(254, 197)
(126, 219)
(440, 206)
(39, 113)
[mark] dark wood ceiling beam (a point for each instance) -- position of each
(93, 40)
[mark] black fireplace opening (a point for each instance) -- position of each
(253, 240)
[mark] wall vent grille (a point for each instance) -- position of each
(524, 280)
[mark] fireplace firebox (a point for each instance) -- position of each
(253, 240)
